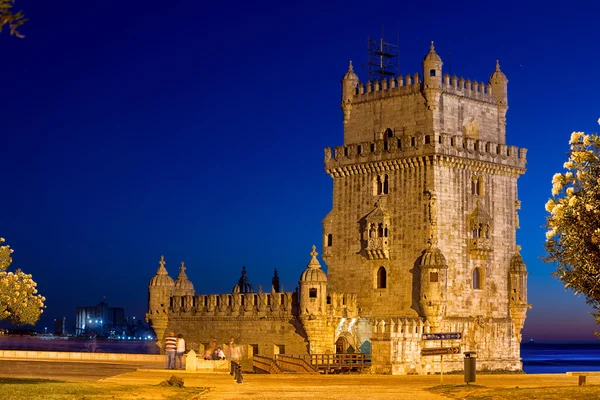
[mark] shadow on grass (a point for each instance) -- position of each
(27, 381)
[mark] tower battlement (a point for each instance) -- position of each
(235, 304)
(411, 84)
(405, 146)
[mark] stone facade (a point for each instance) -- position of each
(421, 238)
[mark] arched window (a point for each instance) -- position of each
(372, 231)
(385, 232)
(386, 184)
(378, 185)
(380, 230)
(477, 279)
(381, 278)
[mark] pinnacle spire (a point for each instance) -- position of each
(350, 67)
(498, 65)
(182, 274)
(162, 270)
(314, 263)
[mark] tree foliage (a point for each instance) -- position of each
(573, 236)
(10, 19)
(20, 303)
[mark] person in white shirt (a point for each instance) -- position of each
(180, 350)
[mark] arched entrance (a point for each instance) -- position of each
(341, 345)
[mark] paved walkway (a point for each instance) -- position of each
(285, 386)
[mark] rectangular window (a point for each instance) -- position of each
(433, 277)
(312, 293)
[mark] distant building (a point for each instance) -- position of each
(421, 239)
(100, 320)
(60, 327)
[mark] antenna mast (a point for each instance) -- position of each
(383, 59)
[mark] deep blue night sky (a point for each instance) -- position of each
(196, 129)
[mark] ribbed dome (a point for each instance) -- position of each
(162, 277)
(432, 55)
(350, 75)
(243, 285)
(182, 281)
(313, 272)
(516, 263)
(313, 275)
(433, 257)
(498, 75)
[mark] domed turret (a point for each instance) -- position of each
(313, 288)
(160, 291)
(518, 292)
(499, 84)
(517, 264)
(313, 272)
(243, 285)
(349, 83)
(434, 271)
(432, 78)
(432, 55)
(162, 278)
(183, 286)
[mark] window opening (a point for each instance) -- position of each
(385, 184)
(312, 293)
(381, 278)
(433, 277)
(476, 279)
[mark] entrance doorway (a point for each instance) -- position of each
(341, 345)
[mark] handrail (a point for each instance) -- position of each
(295, 364)
(266, 364)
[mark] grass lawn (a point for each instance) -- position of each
(476, 392)
(22, 389)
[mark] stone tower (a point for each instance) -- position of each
(424, 217)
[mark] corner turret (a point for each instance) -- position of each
(183, 286)
(518, 292)
(434, 273)
(432, 80)
(349, 83)
(313, 288)
(160, 291)
(499, 85)
(432, 69)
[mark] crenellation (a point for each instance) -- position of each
(425, 145)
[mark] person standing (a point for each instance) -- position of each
(180, 350)
(170, 349)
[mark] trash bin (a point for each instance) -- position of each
(470, 366)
